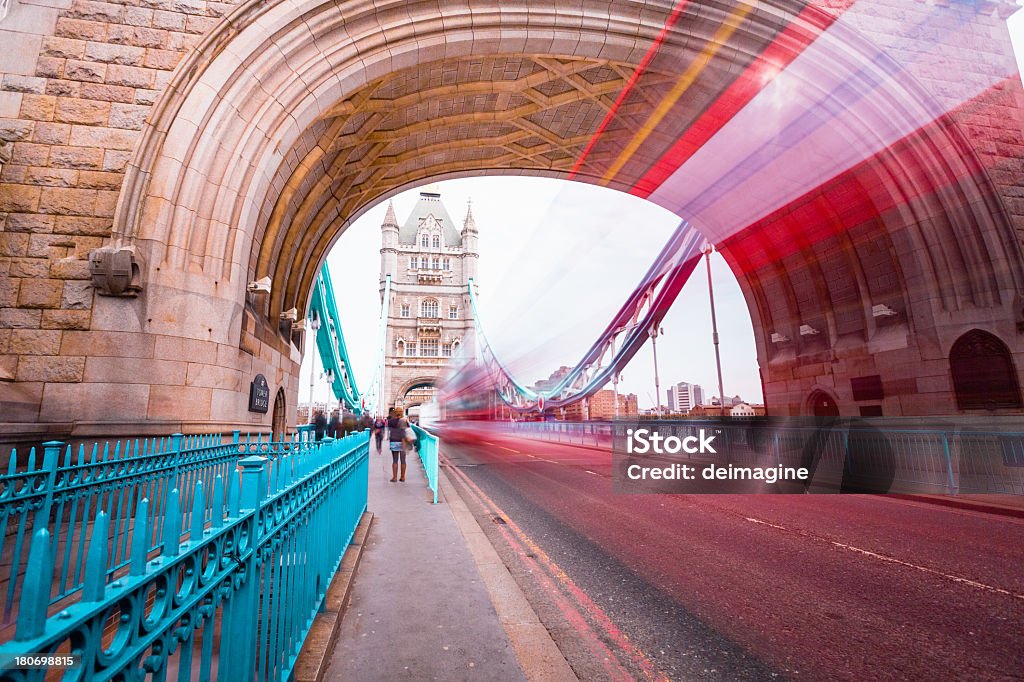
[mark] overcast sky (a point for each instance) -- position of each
(557, 260)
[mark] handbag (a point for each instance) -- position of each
(410, 435)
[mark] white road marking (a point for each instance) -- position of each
(510, 449)
(765, 523)
(898, 562)
(591, 472)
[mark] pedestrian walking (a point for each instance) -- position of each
(319, 424)
(397, 426)
(334, 426)
(379, 424)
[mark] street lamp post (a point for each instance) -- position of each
(707, 250)
(615, 383)
(329, 377)
(314, 325)
(654, 332)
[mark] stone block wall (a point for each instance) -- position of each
(78, 80)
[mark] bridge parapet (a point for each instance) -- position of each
(218, 533)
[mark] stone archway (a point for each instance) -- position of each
(402, 394)
(869, 269)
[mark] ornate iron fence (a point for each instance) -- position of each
(258, 533)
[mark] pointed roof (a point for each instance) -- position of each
(429, 205)
(390, 218)
(469, 225)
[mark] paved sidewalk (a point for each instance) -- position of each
(419, 609)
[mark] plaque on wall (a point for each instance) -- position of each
(259, 395)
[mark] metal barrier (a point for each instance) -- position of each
(427, 446)
(256, 541)
(961, 459)
(65, 490)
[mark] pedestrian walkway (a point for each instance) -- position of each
(419, 608)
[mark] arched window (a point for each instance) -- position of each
(984, 377)
(436, 263)
(821, 404)
(424, 240)
(437, 242)
(280, 422)
(405, 310)
(414, 262)
(428, 308)
(447, 263)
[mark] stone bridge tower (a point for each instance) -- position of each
(431, 263)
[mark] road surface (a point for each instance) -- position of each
(746, 587)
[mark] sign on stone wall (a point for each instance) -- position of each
(259, 395)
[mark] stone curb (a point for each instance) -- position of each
(957, 503)
(535, 650)
(315, 655)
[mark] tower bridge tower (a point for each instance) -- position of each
(431, 262)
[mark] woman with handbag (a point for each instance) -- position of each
(398, 425)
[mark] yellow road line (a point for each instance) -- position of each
(697, 66)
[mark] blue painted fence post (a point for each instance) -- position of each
(51, 454)
(35, 594)
(245, 612)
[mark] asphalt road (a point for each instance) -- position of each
(746, 587)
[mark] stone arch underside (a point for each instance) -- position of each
(295, 119)
(412, 384)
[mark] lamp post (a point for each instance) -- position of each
(314, 325)
(329, 376)
(654, 332)
(707, 249)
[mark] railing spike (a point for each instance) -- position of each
(234, 495)
(95, 452)
(35, 592)
(12, 465)
(67, 455)
(172, 524)
(217, 518)
(140, 538)
(32, 459)
(96, 561)
(195, 533)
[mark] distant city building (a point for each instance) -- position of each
(547, 384)
(734, 408)
(684, 396)
(431, 262)
(602, 405)
(302, 413)
(746, 410)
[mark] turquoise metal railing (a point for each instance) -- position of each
(245, 574)
(427, 445)
(70, 485)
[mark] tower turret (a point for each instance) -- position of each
(469, 244)
(389, 244)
